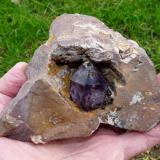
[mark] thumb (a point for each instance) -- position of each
(11, 82)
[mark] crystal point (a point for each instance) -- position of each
(89, 88)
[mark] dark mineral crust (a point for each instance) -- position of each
(84, 75)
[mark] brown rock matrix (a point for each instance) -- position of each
(63, 98)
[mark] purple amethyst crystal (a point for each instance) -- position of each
(88, 88)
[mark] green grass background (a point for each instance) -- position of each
(24, 27)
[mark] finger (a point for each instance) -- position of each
(4, 100)
(11, 82)
(135, 143)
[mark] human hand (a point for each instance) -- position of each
(105, 144)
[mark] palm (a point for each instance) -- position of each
(90, 148)
(105, 144)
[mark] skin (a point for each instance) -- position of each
(103, 145)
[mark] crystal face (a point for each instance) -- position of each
(88, 88)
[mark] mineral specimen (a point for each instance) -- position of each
(84, 75)
(88, 88)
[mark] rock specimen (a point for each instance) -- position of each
(84, 75)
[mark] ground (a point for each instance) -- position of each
(24, 26)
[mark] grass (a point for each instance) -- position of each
(24, 27)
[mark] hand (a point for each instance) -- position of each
(105, 144)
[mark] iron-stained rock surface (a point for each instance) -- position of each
(45, 109)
